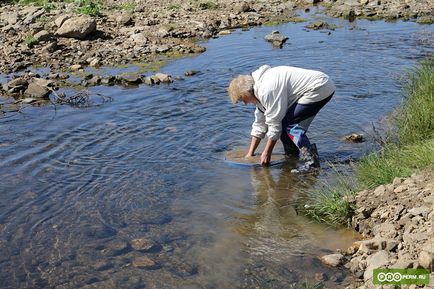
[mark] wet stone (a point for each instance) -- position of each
(354, 137)
(102, 265)
(321, 276)
(108, 80)
(332, 259)
(115, 248)
(144, 244)
(191, 72)
(98, 231)
(144, 262)
(276, 38)
(320, 25)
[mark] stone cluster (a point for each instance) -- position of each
(397, 222)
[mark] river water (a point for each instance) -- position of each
(79, 184)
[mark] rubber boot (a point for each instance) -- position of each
(290, 149)
(310, 159)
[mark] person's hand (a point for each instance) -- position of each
(265, 159)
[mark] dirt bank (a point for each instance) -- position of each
(397, 222)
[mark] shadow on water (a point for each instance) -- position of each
(79, 185)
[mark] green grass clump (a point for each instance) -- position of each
(30, 41)
(425, 20)
(88, 7)
(209, 5)
(330, 204)
(415, 120)
(308, 285)
(297, 19)
(127, 6)
(174, 7)
(412, 149)
(394, 161)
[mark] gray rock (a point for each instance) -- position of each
(190, 72)
(385, 230)
(32, 16)
(376, 244)
(61, 19)
(94, 62)
(332, 259)
(43, 82)
(354, 137)
(354, 264)
(35, 90)
(43, 35)
(143, 262)
(419, 211)
(139, 39)
(318, 25)
(108, 80)
(50, 47)
(129, 79)
(403, 263)
(143, 244)
(377, 260)
(10, 18)
(380, 190)
(164, 78)
(426, 260)
(77, 27)
(242, 7)
(75, 67)
(276, 38)
(15, 83)
(115, 248)
(148, 80)
(95, 80)
(124, 20)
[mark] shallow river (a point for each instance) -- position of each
(79, 184)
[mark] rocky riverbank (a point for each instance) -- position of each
(126, 32)
(63, 38)
(397, 222)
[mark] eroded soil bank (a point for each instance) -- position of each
(397, 222)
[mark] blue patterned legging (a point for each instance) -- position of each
(297, 121)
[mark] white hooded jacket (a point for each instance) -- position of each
(278, 88)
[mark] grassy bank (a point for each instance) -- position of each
(410, 148)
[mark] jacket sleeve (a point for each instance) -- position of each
(259, 128)
(276, 103)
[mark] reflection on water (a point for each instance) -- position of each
(79, 185)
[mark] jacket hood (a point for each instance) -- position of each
(257, 74)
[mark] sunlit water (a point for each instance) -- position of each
(79, 184)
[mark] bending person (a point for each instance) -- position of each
(287, 99)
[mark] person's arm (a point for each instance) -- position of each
(253, 146)
(266, 153)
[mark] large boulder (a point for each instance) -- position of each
(77, 27)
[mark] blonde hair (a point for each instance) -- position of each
(239, 87)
